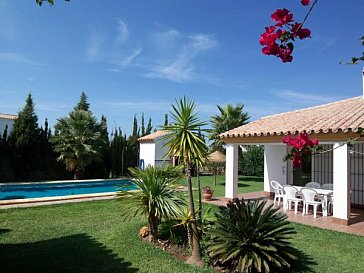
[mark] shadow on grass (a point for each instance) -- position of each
(4, 230)
(304, 264)
(77, 253)
(251, 178)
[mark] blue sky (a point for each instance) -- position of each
(131, 57)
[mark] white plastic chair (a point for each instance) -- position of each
(313, 185)
(309, 199)
(327, 187)
(330, 200)
(291, 196)
(278, 192)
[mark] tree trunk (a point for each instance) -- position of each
(196, 249)
(199, 194)
(153, 227)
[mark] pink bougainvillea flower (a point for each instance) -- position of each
(305, 2)
(282, 17)
(300, 32)
(315, 142)
(287, 140)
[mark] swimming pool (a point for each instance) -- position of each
(53, 189)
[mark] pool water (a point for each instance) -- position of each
(35, 190)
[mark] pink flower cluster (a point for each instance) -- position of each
(278, 40)
(302, 146)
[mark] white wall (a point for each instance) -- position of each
(161, 151)
(147, 153)
(3, 123)
(274, 167)
(231, 171)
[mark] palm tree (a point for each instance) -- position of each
(156, 198)
(229, 118)
(78, 141)
(185, 142)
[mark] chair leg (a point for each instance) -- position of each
(279, 201)
(295, 207)
(304, 209)
(314, 210)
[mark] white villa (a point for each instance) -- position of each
(7, 119)
(153, 150)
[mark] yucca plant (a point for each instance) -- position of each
(157, 197)
(251, 237)
(184, 140)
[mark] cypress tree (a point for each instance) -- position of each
(25, 140)
(82, 104)
(165, 119)
(149, 127)
(143, 125)
(135, 128)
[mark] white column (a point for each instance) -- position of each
(231, 171)
(341, 184)
(274, 166)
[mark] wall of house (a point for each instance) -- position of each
(147, 153)
(274, 167)
(3, 123)
(161, 151)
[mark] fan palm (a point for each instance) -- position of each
(251, 237)
(78, 140)
(184, 141)
(230, 117)
(156, 198)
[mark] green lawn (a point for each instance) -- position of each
(246, 184)
(91, 237)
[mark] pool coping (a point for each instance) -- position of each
(56, 198)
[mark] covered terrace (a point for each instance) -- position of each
(333, 125)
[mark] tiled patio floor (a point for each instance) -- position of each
(357, 215)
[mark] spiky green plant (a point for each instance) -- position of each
(184, 140)
(157, 197)
(251, 237)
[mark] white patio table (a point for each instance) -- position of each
(325, 194)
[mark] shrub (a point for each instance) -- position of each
(251, 237)
(251, 162)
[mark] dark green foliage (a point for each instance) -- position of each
(25, 141)
(251, 237)
(82, 104)
(79, 140)
(118, 149)
(230, 117)
(165, 119)
(50, 2)
(143, 125)
(157, 197)
(101, 168)
(136, 130)
(251, 162)
(149, 127)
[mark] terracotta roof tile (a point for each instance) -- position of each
(152, 136)
(8, 116)
(346, 115)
